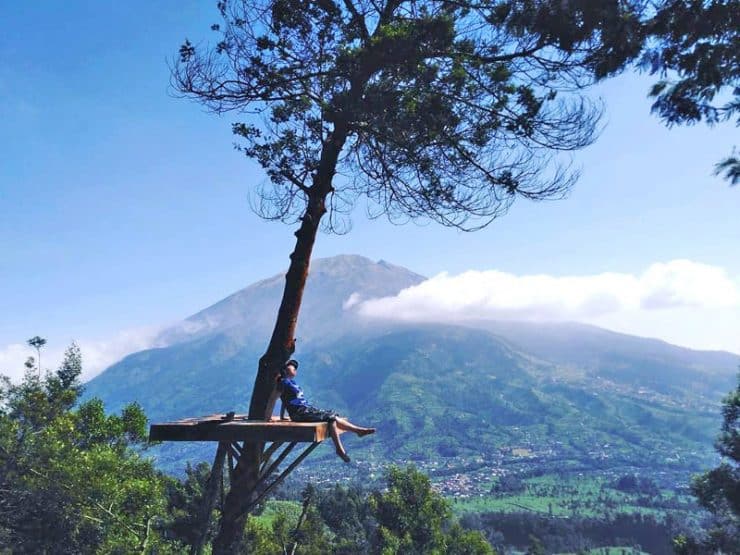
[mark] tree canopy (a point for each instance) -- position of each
(694, 47)
(412, 518)
(718, 490)
(439, 110)
(407, 517)
(71, 479)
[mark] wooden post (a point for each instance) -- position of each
(209, 498)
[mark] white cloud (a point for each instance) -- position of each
(601, 299)
(97, 354)
(686, 283)
(351, 301)
(12, 358)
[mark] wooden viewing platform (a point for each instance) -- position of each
(228, 428)
(231, 429)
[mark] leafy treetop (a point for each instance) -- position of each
(694, 47)
(427, 109)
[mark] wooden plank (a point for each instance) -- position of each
(215, 428)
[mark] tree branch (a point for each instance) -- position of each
(358, 20)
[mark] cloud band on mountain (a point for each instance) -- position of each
(493, 294)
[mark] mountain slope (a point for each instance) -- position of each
(636, 362)
(564, 392)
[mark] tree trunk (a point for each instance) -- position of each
(282, 345)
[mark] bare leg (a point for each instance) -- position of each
(346, 425)
(337, 442)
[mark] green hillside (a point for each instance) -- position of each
(491, 398)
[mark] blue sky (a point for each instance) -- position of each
(123, 208)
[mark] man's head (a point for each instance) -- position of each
(291, 368)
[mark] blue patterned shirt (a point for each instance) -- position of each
(292, 394)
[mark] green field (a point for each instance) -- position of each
(585, 497)
(612, 550)
(290, 509)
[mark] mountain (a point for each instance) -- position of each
(248, 315)
(637, 362)
(570, 393)
(209, 360)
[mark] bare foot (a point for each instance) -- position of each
(366, 431)
(344, 456)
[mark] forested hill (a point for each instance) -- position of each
(566, 391)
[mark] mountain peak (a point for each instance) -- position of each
(331, 281)
(347, 263)
(350, 260)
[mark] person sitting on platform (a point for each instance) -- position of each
(299, 410)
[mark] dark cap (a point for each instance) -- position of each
(292, 362)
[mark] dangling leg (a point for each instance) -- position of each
(337, 442)
(344, 424)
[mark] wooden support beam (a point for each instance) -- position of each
(266, 474)
(231, 464)
(234, 452)
(267, 453)
(209, 499)
(298, 460)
